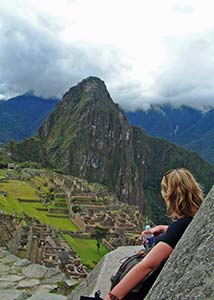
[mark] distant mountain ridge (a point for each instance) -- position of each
(87, 135)
(185, 126)
(21, 116)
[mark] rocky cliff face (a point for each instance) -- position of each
(31, 149)
(88, 136)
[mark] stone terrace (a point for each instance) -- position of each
(40, 244)
(19, 279)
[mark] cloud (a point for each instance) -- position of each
(188, 77)
(148, 52)
(34, 57)
(185, 9)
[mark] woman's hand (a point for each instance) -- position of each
(155, 230)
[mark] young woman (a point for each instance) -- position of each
(183, 197)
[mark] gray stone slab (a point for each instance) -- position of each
(21, 263)
(9, 259)
(55, 278)
(3, 253)
(45, 288)
(51, 272)
(47, 296)
(28, 283)
(4, 268)
(12, 278)
(14, 295)
(23, 280)
(6, 285)
(34, 271)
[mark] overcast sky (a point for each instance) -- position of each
(146, 51)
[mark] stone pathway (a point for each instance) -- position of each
(20, 279)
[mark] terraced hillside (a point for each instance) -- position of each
(36, 194)
(27, 197)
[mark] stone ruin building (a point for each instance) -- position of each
(40, 244)
(91, 213)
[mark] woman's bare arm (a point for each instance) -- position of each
(159, 253)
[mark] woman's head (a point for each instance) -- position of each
(182, 193)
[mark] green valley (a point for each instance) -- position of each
(87, 250)
(34, 199)
(24, 197)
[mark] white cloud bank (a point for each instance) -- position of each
(147, 52)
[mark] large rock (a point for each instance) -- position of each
(189, 272)
(35, 271)
(23, 284)
(10, 259)
(47, 296)
(4, 268)
(13, 295)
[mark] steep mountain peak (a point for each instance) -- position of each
(29, 93)
(91, 89)
(92, 83)
(88, 136)
(83, 103)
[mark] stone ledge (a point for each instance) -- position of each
(19, 279)
(99, 278)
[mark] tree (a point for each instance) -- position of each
(47, 198)
(99, 233)
(76, 209)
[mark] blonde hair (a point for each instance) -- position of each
(182, 193)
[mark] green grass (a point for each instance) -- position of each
(20, 189)
(62, 223)
(87, 250)
(2, 174)
(17, 189)
(60, 199)
(40, 183)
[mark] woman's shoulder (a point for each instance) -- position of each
(175, 231)
(179, 225)
(181, 222)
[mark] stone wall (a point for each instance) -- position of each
(14, 244)
(189, 272)
(79, 222)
